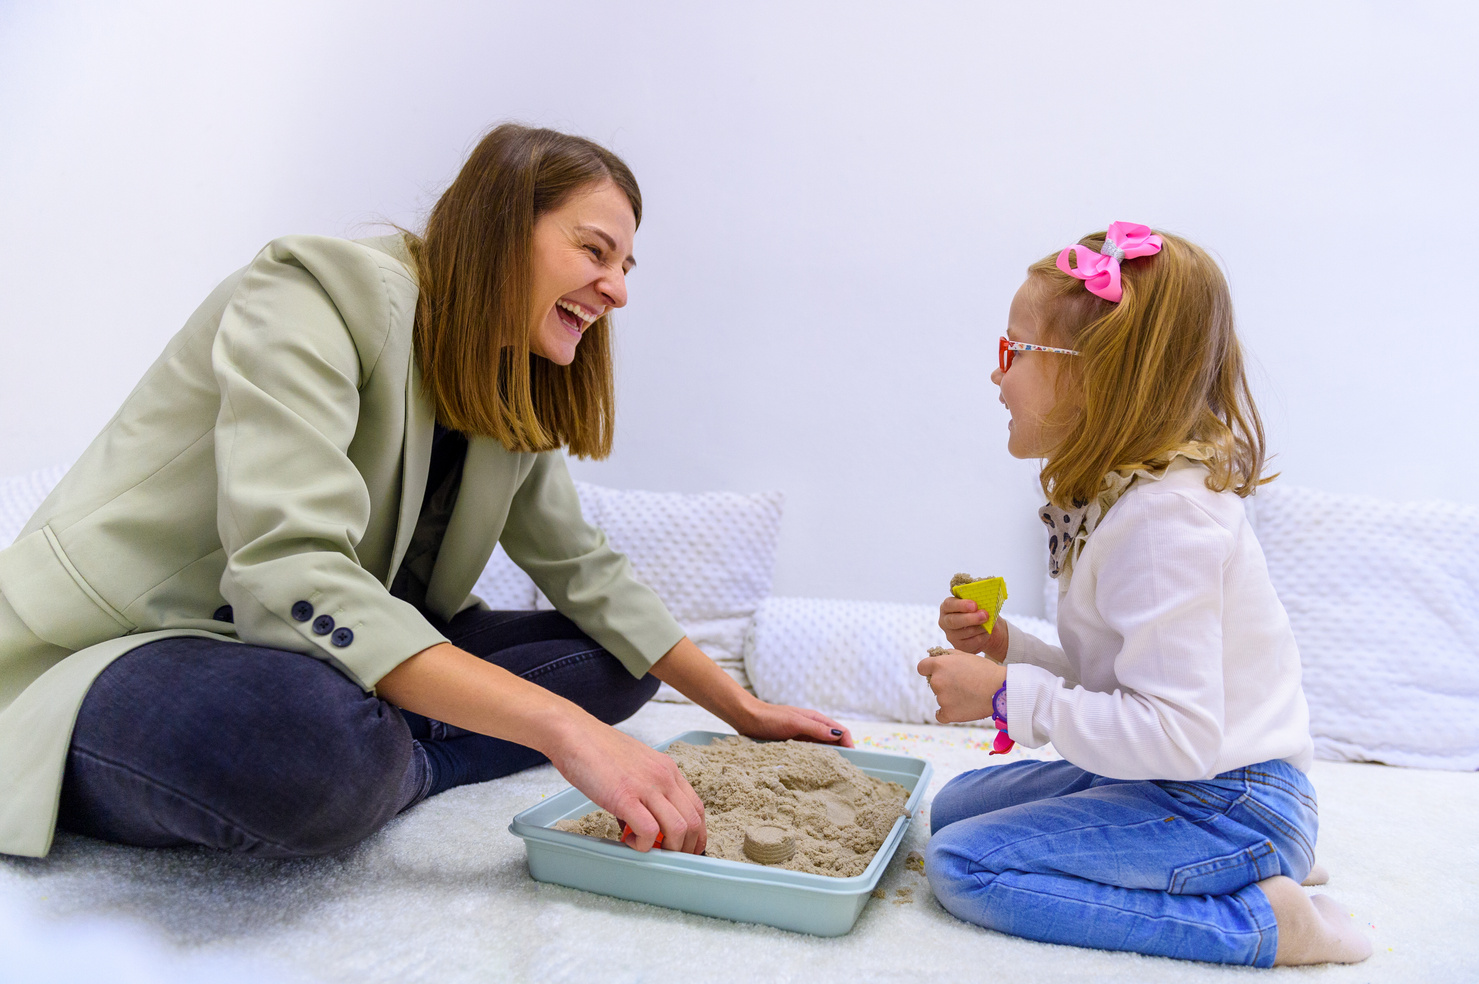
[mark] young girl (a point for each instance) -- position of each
(1181, 823)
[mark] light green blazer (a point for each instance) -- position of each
(276, 453)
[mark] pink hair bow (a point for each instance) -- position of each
(1100, 271)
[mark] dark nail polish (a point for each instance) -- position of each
(837, 732)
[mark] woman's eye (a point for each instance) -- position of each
(594, 251)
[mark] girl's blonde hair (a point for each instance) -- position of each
(1159, 370)
(474, 312)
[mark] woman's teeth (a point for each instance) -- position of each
(582, 315)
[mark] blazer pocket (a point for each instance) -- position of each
(53, 598)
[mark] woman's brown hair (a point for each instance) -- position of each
(474, 317)
(1159, 370)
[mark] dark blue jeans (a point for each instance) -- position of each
(275, 754)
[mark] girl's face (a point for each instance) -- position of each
(1029, 391)
(582, 254)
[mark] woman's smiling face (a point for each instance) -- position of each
(582, 254)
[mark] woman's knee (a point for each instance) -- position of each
(591, 677)
(626, 696)
(256, 751)
(349, 787)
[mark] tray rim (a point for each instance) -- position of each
(723, 868)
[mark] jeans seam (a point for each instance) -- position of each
(1190, 790)
(569, 659)
(186, 797)
(1252, 918)
(1115, 908)
(1275, 819)
(1277, 783)
(497, 630)
(1058, 833)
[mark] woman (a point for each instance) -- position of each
(244, 619)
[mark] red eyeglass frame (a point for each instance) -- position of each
(1007, 350)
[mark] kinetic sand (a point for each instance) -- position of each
(788, 804)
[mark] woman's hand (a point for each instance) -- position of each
(619, 773)
(686, 669)
(963, 623)
(781, 722)
(963, 684)
(636, 784)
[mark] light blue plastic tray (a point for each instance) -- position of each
(794, 900)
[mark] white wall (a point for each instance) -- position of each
(840, 200)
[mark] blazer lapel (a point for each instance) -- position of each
(415, 462)
(490, 476)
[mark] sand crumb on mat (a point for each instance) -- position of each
(836, 814)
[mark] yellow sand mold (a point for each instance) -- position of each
(988, 593)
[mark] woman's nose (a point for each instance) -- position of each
(996, 375)
(613, 288)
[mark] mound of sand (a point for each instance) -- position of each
(786, 795)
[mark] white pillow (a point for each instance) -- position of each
(852, 658)
(710, 556)
(1384, 600)
(21, 496)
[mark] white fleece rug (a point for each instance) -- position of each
(442, 895)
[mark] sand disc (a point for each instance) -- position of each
(768, 844)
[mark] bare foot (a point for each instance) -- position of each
(1312, 929)
(1317, 876)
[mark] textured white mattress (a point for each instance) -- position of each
(442, 895)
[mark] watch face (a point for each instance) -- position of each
(999, 704)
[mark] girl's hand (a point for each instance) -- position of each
(964, 626)
(780, 722)
(963, 684)
(637, 784)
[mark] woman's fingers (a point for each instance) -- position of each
(644, 828)
(676, 835)
(636, 784)
(831, 732)
(815, 726)
(697, 821)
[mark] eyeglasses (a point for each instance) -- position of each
(1008, 350)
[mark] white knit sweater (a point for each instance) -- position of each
(1178, 661)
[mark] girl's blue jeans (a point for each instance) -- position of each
(1047, 851)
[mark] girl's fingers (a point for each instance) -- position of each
(966, 620)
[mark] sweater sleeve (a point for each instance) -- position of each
(1159, 589)
(579, 572)
(291, 505)
(1024, 647)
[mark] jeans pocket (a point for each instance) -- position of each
(1228, 873)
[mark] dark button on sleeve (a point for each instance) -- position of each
(323, 625)
(222, 614)
(302, 611)
(342, 637)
